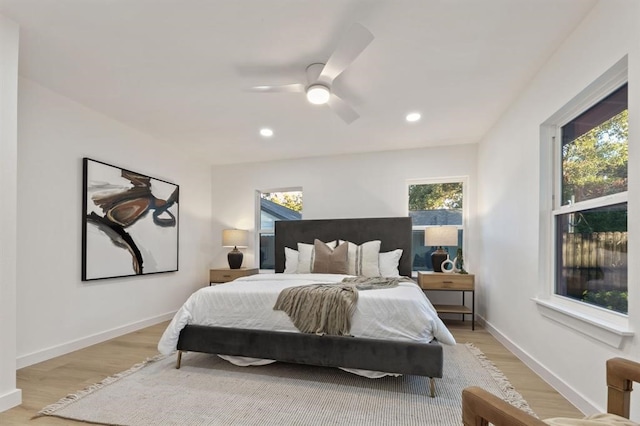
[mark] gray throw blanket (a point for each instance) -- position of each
(328, 308)
(373, 283)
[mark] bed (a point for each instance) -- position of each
(421, 354)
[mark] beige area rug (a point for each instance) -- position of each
(209, 391)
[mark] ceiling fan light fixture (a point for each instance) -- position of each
(318, 94)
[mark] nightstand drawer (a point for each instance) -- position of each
(441, 281)
(225, 275)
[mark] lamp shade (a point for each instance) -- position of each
(235, 238)
(441, 236)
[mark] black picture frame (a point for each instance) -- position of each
(130, 223)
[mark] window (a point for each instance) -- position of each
(590, 204)
(284, 204)
(434, 203)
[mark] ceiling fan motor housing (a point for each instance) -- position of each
(313, 73)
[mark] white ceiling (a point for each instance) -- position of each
(179, 69)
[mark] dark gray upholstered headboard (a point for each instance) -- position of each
(393, 232)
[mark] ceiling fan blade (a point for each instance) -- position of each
(356, 40)
(293, 88)
(343, 109)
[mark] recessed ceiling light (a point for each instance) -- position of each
(266, 132)
(413, 117)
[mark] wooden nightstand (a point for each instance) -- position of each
(451, 282)
(224, 275)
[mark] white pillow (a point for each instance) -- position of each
(363, 259)
(388, 263)
(290, 261)
(305, 257)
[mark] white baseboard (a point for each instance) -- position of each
(563, 388)
(74, 345)
(10, 399)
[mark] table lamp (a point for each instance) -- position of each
(235, 238)
(439, 236)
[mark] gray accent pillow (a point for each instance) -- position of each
(306, 254)
(328, 260)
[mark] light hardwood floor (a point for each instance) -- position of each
(47, 382)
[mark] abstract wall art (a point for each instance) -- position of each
(129, 225)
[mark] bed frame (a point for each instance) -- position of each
(423, 359)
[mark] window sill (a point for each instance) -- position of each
(603, 331)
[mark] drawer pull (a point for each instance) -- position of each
(227, 276)
(447, 282)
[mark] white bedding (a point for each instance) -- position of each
(399, 313)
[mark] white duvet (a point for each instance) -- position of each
(399, 313)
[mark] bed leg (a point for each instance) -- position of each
(179, 360)
(432, 387)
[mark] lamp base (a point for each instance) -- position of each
(234, 257)
(437, 257)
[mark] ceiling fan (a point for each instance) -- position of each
(320, 77)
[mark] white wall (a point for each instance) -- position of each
(508, 206)
(56, 311)
(347, 186)
(9, 395)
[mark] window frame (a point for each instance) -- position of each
(599, 323)
(465, 206)
(258, 216)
